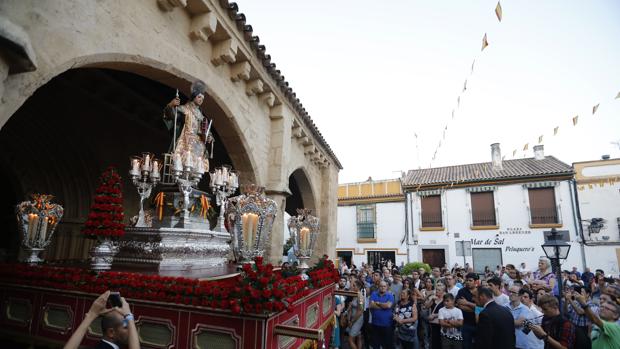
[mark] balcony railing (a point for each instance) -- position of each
(431, 221)
(544, 215)
(484, 218)
(366, 230)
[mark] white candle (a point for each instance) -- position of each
(303, 234)
(245, 228)
(253, 226)
(178, 164)
(155, 170)
(146, 164)
(188, 159)
(135, 167)
(218, 176)
(31, 226)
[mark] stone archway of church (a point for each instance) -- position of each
(84, 120)
(302, 193)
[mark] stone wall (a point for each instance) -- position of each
(264, 127)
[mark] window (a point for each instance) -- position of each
(483, 209)
(431, 211)
(542, 206)
(366, 220)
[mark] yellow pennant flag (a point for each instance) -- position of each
(514, 152)
(485, 42)
(498, 11)
(575, 119)
(465, 85)
(525, 147)
(595, 108)
(474, 62)
(540, 138)
(555, 130)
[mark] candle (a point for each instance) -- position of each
(254, 226)
(155, 171)
(200, 165)
(188, 159)
(135, 166)
(177, 163)
(249, 223)
(224, 174)
(43, 229)
(212, 179)
(233, 180)
(303, 234)
(31, 226)
(36, 227)
(146, 164)
(218, 177)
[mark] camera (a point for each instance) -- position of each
(527, 326)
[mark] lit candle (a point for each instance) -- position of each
(245, 228)
(36, 225)
(212, 178)
(224, 174)
(303, 234)
(233, 180)
(155, 171)
(146, 164)
(200, 165)
(253, 226)
(31, 226)
(135, 166)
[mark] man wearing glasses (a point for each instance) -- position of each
(606, 333)
(520, 312)
(535, 318)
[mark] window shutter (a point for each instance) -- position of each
(483, 208)
(431, 211)
(542, 205)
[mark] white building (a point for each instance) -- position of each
(371, 222)
(501, 207)
(598, 189)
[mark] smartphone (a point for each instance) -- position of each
(115, 299)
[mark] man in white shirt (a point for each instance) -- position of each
(451, 285)
(535, 317)
(495, 284)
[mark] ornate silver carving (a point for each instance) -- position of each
(145, 175)
(37, 220)
(102, 255)
(224, 183)
(253, 216)
(304, 230)
(172, 248)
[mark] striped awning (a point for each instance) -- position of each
(543, 184)
(429, 192)
(481, 189)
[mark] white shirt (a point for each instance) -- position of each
(451, 314)
(454, 290)
(536, 317)
(111, 344)
(502, 299)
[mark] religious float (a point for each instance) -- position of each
(189, 286)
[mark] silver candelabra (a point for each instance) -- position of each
(145, 175)
(187, 172)
(224, 183)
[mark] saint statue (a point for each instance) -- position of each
(191, 133)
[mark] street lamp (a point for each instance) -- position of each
(555, 249)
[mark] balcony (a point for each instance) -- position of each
(544, 217)
(431, 222)
(484, 219)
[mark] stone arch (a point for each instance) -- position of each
(303, 194)
(230, 131)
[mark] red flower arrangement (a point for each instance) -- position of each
(258, 288)
(106, 214)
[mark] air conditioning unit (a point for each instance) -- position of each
(457, 235)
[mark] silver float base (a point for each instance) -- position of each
(172, 249)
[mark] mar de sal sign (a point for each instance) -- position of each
(499, 242)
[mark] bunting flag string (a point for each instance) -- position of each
(485, 44)
(574, 120)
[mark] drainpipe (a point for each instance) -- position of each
(574, 201)
(407, 225)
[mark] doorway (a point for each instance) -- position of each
(434, 257)
(483, 257)
(345, 256)
(379, 258)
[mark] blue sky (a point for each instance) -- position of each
(372, 74)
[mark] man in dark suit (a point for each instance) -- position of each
(496, 327)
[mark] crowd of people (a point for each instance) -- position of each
(508, 307)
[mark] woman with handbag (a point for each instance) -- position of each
(406, 320)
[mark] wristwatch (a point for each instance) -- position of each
(129, 317)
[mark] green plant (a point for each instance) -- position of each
(410, 267)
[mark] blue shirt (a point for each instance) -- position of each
(521, 311)
(382, 317)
